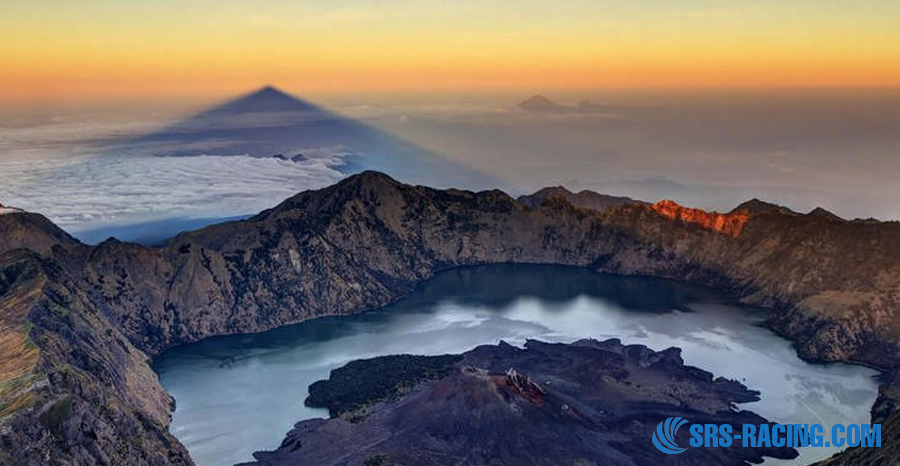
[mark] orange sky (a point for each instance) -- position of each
(98, 49)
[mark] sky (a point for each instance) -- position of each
(104, 49)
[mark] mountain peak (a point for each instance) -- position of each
(540, 103)
(756, 206)
(821, 212)
(365, 186)
(370, 178)
(27, 230)
(554, 191)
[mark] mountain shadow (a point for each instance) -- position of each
(272, 123)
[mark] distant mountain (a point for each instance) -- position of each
(540, 103)
(272, 123)
(584, 199)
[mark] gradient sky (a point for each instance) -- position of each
(102, 48)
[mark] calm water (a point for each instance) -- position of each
(239, 394)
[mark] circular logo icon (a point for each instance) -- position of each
(664, 437)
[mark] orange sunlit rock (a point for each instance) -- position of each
(730, 224)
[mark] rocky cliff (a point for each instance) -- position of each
(367, 241)
(730, 224)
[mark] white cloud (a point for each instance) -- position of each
(99, 191)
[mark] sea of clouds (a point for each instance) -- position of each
(65, 169)
(107, 190)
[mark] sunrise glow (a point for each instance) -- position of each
(96, 49)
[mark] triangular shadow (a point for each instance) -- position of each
(271, 123)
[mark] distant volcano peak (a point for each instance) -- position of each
(540, 103)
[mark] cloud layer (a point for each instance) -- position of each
(97, 191)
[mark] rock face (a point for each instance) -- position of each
(367, 241)
(588, 403)
(730, 224)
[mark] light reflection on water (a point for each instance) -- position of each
(239, 394)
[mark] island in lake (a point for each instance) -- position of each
(585, 403)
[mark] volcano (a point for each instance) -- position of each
(272, 123)
(539, 103)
